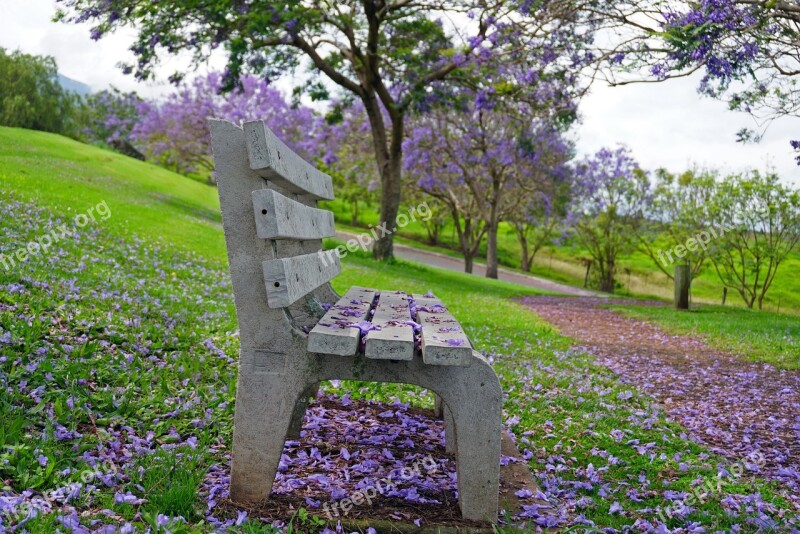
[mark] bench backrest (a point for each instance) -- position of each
(273, 228)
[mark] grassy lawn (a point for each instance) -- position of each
(756, 336)
(117, 363)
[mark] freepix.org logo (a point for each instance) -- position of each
(42, 244)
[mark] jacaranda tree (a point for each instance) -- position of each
(174, 132)
(394, 56)
(610, 198)
(746, 51)
(109, 117)
(483, 162)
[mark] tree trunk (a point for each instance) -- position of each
(383, 249)
(491, 250)
(525, 264)
(469, 261)
(607, 278)
(354, 213)
(389, 157)
(433, 234)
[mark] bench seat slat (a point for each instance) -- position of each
(334, 334)
(443, 340)
(275, 161)
(289, 279)
(278, 217)
(394, 340)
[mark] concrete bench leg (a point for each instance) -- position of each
(474, 403)
(265, 404)
(449, 430)
(300, 410)
(440, 410)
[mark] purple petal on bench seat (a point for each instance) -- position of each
(365, 326)
(455, 342)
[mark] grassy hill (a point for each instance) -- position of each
(117, 365)
(69, 177)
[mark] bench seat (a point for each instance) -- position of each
(391, 325)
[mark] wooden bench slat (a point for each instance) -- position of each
(395, 339)
(277, 162)
(333, 334)
(443, 340)
(289, 279)
(278, 217)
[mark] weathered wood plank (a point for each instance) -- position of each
(334, 333)
(443, 340)
(278, 217)
(289, 279)
(394, 338)
(275, 161)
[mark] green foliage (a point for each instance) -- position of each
(678, 212)
(31, 96)
(761, 218)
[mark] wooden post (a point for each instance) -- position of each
(683, 281)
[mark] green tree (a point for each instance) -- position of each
(31, 96)
(610, 197)
(762, 221)
(678, 214)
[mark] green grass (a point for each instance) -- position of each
(70, 177)
(755, 336)
(124, 337)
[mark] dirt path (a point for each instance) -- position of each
(734, 406)
(454, 264)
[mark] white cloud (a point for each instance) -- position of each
(666, 124)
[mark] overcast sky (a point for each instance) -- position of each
(666, 124)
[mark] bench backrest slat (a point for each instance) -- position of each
(273, 160)
(278, 217)
(289, 279)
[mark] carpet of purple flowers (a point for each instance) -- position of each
(117, 371)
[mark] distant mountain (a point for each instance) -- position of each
(74, 86)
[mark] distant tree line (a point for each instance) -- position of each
(482, 159)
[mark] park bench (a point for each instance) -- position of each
(295, 331)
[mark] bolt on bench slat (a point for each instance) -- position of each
(395, 339)
(289, 279)
(275, 161)
(443, 340)
(332, 335)
(278, 217)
